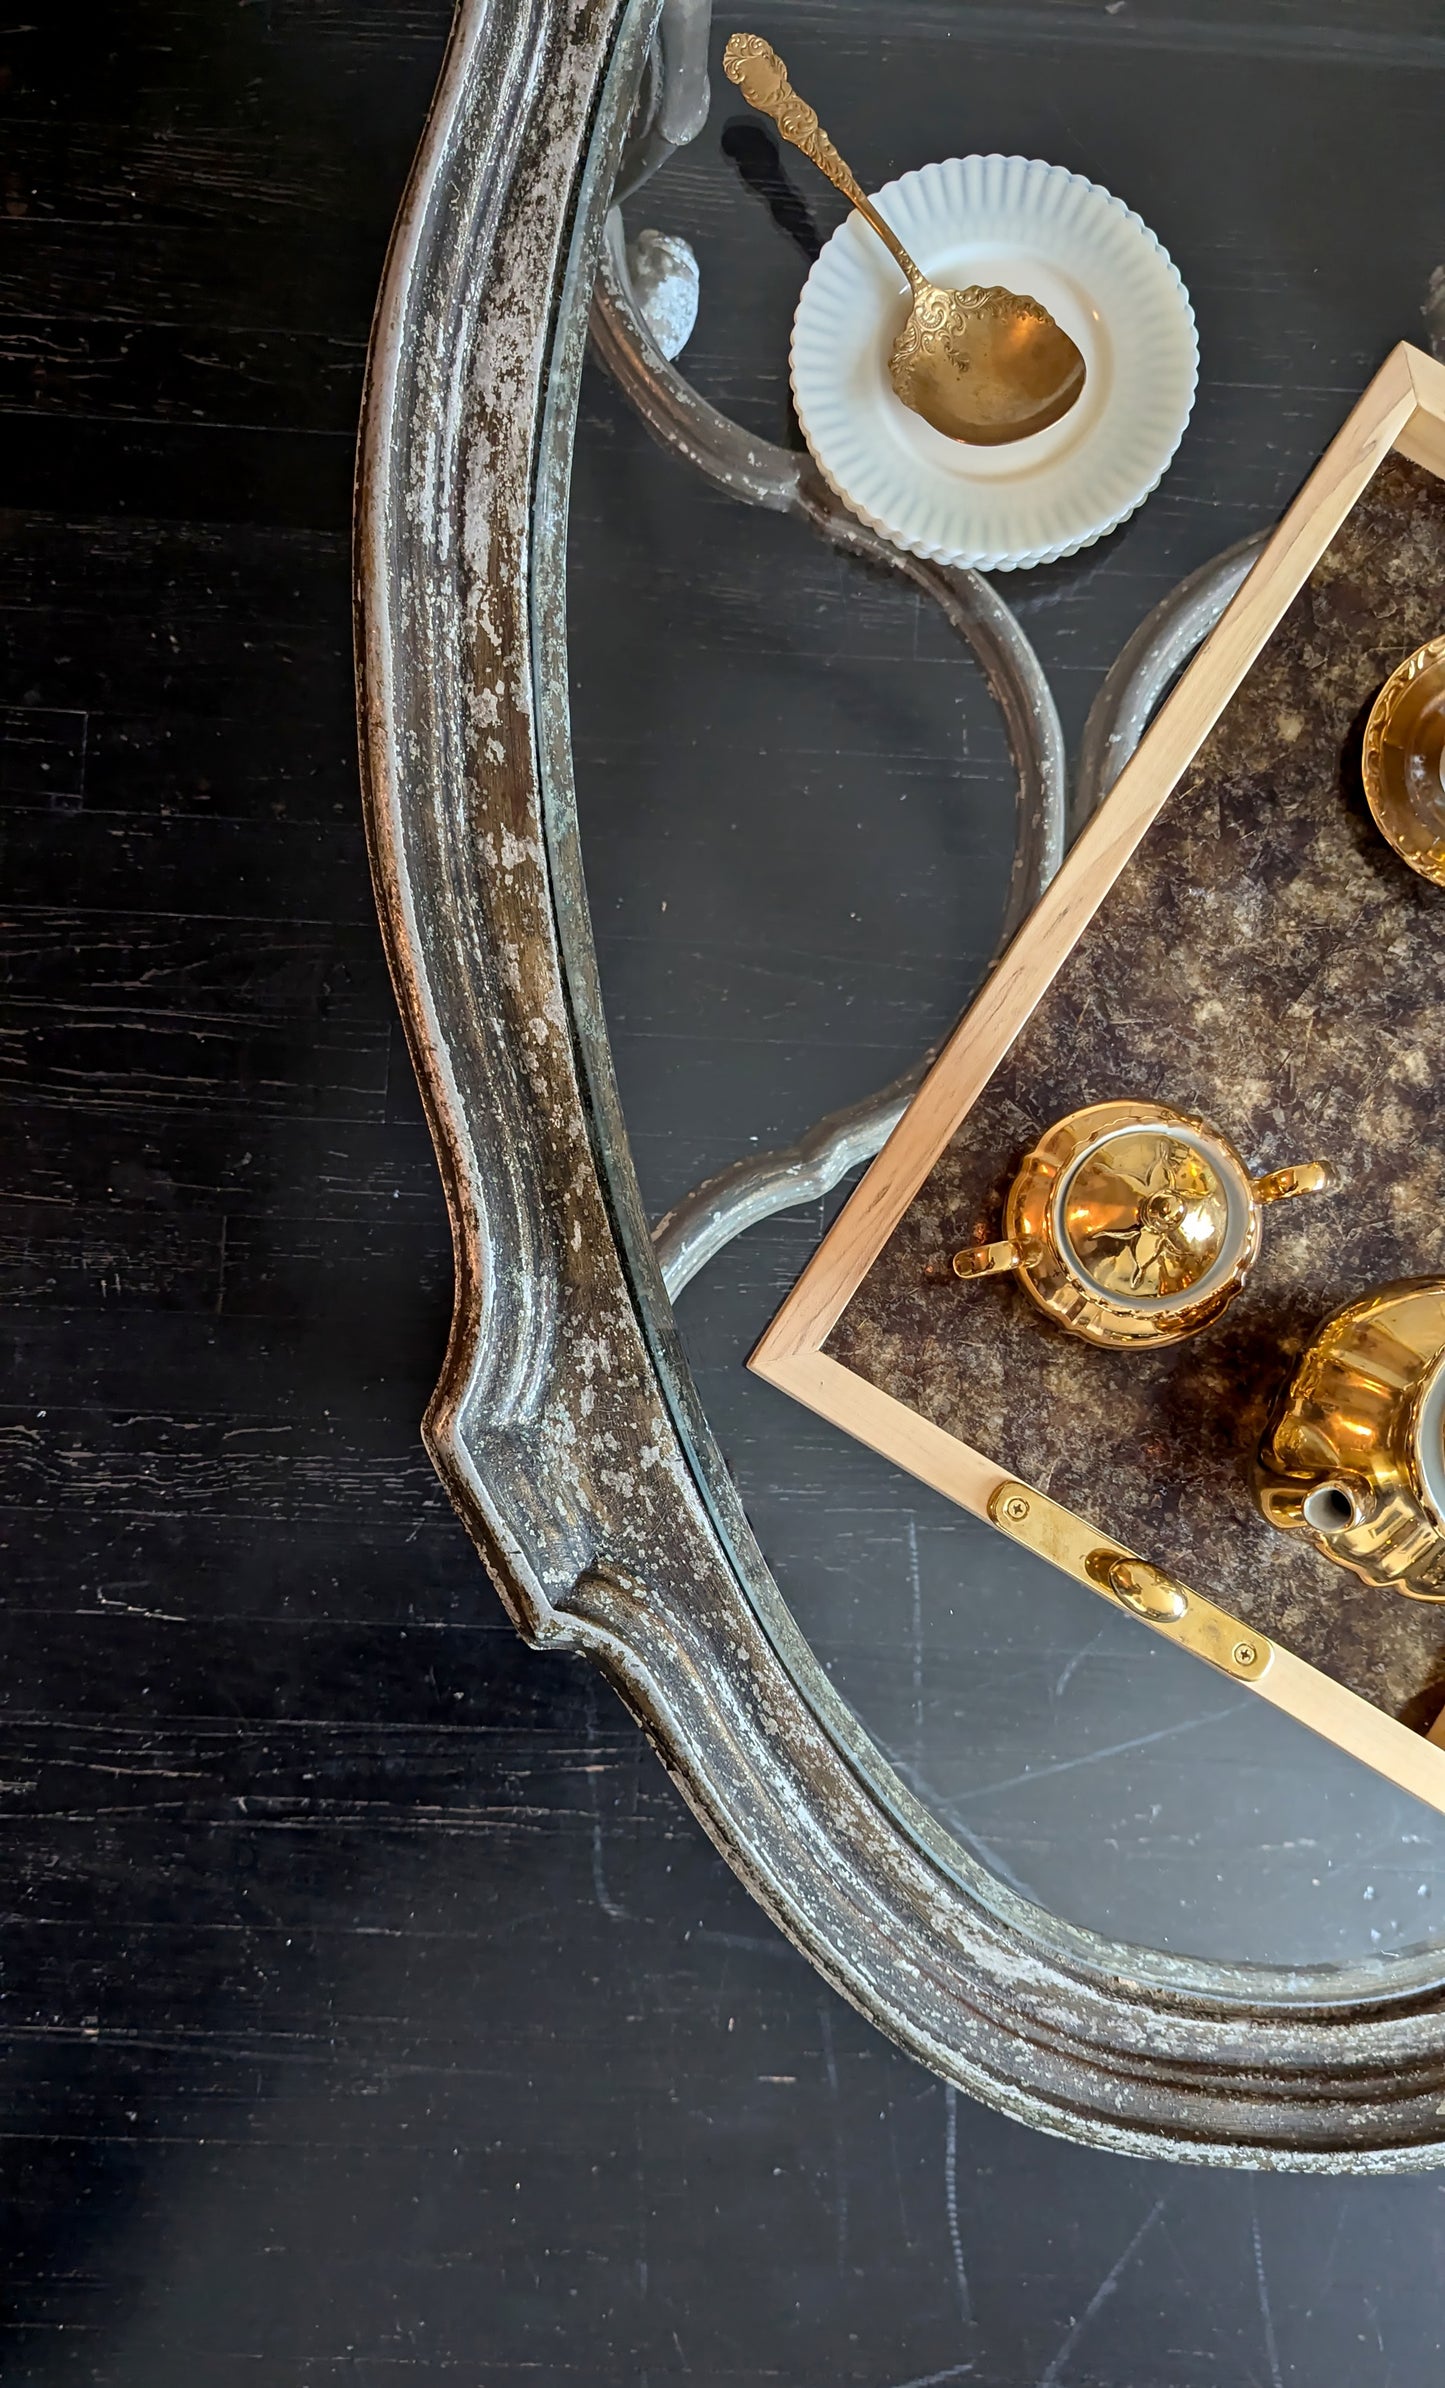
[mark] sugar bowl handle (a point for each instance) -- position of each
(995, 1260)
(1302, 1177)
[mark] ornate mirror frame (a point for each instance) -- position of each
(563, 1424)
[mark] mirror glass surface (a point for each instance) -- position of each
(797, 821)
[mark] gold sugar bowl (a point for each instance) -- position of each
(1354, 1461)
(1131, 1224)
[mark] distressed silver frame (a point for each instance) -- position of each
(563, 1424)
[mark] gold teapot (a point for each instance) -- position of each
(1354, 1460)
(1133, 1224)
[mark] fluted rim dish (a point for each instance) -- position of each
(1104, 276)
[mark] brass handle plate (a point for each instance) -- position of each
(1146, 1591)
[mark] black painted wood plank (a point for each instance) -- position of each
(235, 279)
(159, 375)
(223, 1161)
(370, 2006)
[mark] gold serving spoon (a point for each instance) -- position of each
(980, 365)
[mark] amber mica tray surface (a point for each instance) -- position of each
(1232, 936)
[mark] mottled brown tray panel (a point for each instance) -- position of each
(1266, 961)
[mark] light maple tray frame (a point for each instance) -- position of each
(1401, 412)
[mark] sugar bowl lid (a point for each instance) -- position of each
(1144, 1214)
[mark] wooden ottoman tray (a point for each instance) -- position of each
(1231, 937)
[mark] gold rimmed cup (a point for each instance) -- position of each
(1404, 760)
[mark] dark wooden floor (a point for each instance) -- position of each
(371, 2007)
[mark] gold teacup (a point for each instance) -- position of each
(1403, 762)
(1355, 1458)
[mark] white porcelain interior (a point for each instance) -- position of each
(1430, 1441)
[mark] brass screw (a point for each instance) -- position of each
(1245, 1654)
(1016, 1507)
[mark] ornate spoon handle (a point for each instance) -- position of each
(762, 78)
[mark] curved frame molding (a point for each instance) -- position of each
(563, 1424)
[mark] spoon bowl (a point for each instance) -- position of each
(983, 365)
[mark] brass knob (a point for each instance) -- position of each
(1141, 1586)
